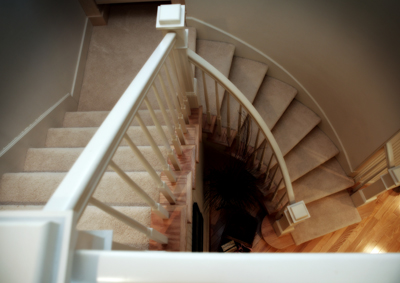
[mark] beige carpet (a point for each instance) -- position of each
(327, 215)
(247, 75)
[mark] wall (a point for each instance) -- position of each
(342, 56)
(43, 46)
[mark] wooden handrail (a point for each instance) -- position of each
(246, 104)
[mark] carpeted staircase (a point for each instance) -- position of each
(317, 177)
(117, 52)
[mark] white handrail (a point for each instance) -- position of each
(78, 186)
(239, 96)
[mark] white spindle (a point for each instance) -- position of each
(171, 131)
(219, 126)
(260, 163)
(162, 187)
(228, 117)
(208, 113)
(184, 67)
(157, 208)
(172, 157)
(185, 111)
(181, 127)
(149, 232)
(256, 145)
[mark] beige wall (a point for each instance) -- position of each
(342, 56)
(39, 50)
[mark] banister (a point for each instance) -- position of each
(239, 96)
(79, 184)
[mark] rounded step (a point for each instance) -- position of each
(80, 137)
(62, 159)
(95, 118)
(327, 215)
(37, 188)
(220, 55)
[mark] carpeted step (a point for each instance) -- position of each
(271, 101)
(325, 180)
(95, 219)
(95, 118)
(327, 215)
(297, 121)
(37, 188)
(247, 75)
(62, 159)
(80, 137)
(315, 149)
(218, 54)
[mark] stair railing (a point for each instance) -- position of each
(290, 213)
(76, 190)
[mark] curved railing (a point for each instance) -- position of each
(231, 89)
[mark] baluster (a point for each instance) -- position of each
(186, 112)
(208, 113)
(239, 124)
(219, 126)
(260, 163)
(174, 137)
(276, 190)
(183, 58)
(166, 119)
(256, 146)
(172, 157)
(149, 232)
(228, 117)
(162, 187)
(157, 208)
(269, 164)
(248, 123)
(272, 178)
(181, 127)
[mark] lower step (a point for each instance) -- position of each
(327, 215)
(95, 219)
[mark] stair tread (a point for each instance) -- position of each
(247, 75)
(95, 219)
(37, 187)
(297, 121)
(62, 159)
(327, 215)
(315, 149)
(272, 99)
(95, 118)
(80, 137)
(326, 179)
(220, 55)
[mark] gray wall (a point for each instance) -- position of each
(345, 55)
(40, 44)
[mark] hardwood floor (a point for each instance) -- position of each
(378, 232)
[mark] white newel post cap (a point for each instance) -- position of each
(298, 212)
(172, 18)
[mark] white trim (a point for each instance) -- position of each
(31, 126)
(286, 72)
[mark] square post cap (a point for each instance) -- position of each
(170, 17)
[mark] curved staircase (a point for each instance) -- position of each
(317, 176)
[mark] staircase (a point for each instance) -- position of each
(317, 177)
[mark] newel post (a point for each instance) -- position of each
(386, 182)
(171, 18)
(292, 215)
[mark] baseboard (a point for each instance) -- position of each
(243, 49)
(81, 62)
(12, 157)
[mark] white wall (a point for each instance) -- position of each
(342, 56)
(40, 44)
